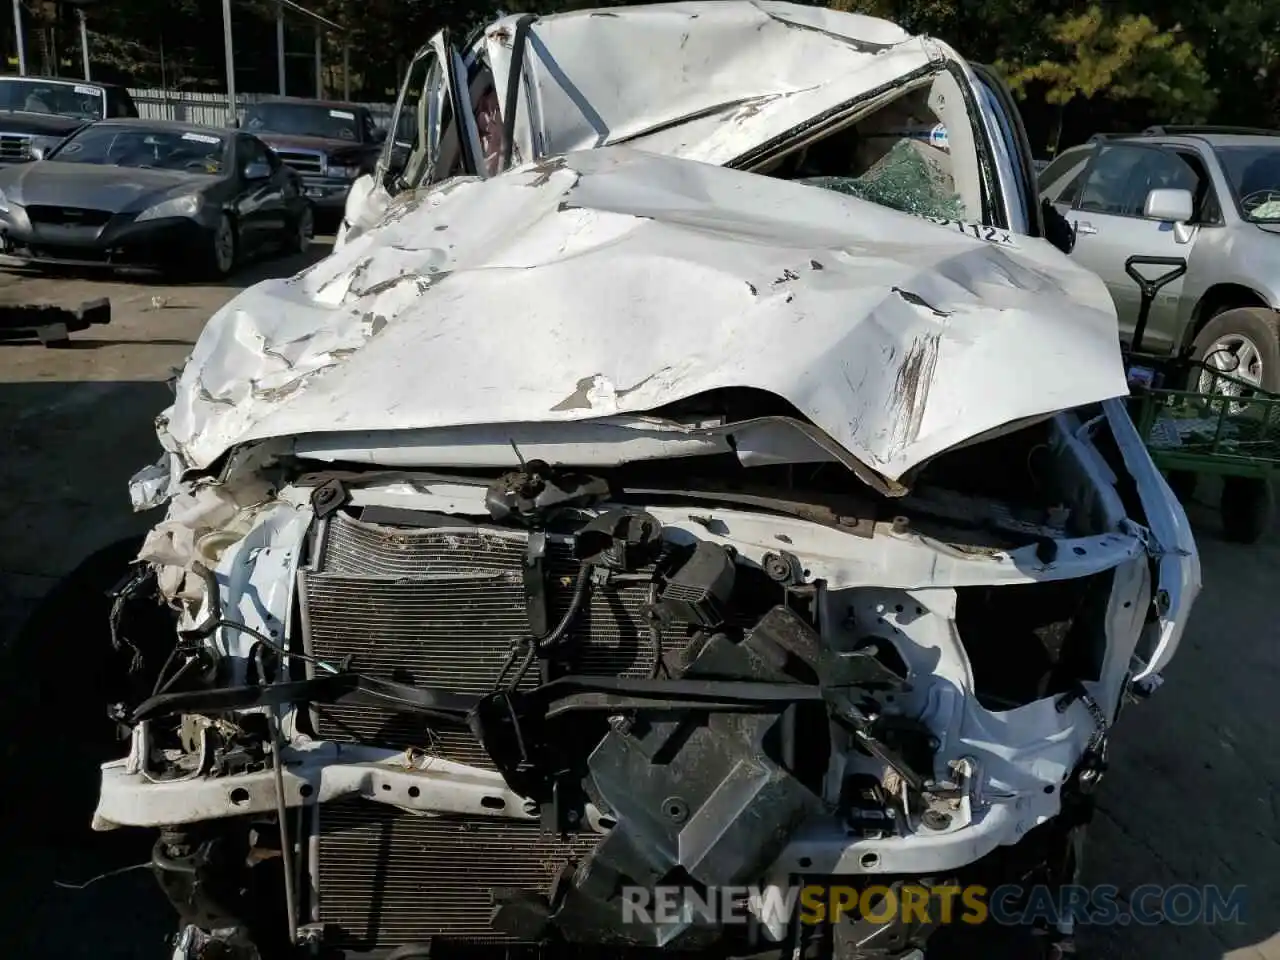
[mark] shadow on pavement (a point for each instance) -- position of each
(56, 684)
(1193, 793)
(69, 450)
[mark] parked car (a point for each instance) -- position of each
(152, 193)
(329, 143)
(36, 113)
(1210, 195)
(619, 520)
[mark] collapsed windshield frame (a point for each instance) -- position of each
(18, 83)
(78, 140)
(994, 211)
(1223, 151)
(296, 120)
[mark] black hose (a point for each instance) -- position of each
(531, 654)
(161, 859)
(266, 641)
(580, 588)
(655, 635)
(539, 646)
(209, 624)
(168, 662)
(214, 619)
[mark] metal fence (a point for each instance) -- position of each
(210, 109)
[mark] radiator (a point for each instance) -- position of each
(441, 606)
(387, 877)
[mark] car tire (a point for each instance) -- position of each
(222, 251)
(1252, 335)
(1247, 508)
(304, 231)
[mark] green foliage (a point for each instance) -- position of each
(1120, 57)
(1131, 62)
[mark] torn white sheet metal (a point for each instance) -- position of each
(614, 282)
(707, 81)
(724, 82)
(605, 442)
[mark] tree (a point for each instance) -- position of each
(1116, 57)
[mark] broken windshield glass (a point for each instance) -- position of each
(905, 179)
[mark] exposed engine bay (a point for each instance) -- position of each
(462, 709)
(621, 524)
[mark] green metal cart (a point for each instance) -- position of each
(1197, 417)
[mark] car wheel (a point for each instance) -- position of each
(223, 250)
(1243, 343)
(304, 231)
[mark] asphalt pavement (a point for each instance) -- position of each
(1191, 797)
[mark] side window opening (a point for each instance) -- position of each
(252, 150)
(1205, 203)
(1110, 184)
(1123, 176)
(488, 109)
(1060, 166)
(1071, 192)
(411, 147)
(486, 104)
(915, 153)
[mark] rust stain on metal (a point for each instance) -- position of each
(545, 169)
(578, 400)
(911, 388)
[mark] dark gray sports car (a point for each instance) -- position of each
(153, 193)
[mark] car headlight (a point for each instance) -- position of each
(44, 144)
(187, 206)
(347, 173)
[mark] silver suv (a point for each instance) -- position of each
(1210, 195)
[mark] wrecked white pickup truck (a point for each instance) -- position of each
(621, 522)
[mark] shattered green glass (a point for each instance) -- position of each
(903, 180)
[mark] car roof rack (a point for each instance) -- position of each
(1098, 137)
(1177, 130)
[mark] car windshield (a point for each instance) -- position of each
(901, 156)
(1254, 175)
(82, 101)
(303, 120)
(120, 146)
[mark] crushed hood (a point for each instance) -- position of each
(614, 282)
